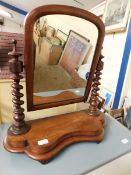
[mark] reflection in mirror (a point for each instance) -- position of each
(64, 49)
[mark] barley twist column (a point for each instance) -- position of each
(16, 67)
(95, 88)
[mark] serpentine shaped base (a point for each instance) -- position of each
(48, 136)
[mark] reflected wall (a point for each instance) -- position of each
(63, 52)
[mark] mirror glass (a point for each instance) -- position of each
(63, 52)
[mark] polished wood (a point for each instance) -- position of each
(16, 67)
(93, 109)
(48, 136)
(60, 131)
(66, 95)
(29, 52)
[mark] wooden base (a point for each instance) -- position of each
(48, 136)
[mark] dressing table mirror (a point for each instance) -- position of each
(63, 64)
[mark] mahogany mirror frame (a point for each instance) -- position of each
(28, 50)
(42, 139)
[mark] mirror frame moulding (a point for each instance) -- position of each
(28, 50)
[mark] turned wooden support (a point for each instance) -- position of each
(16, 67)
(93, 110)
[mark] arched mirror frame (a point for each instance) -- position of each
(29, 50)
(42, 139)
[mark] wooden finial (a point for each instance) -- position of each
(14, 53)
(14, 42)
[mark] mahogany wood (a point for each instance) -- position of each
(58, 98)
(54, 133)
(30, 57)
(93, 109)
(60, 131)
(16, 67)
